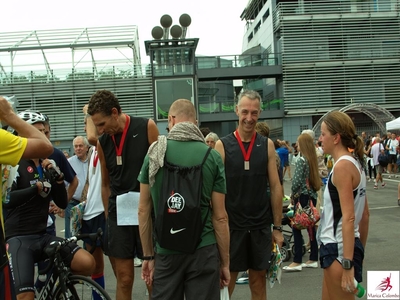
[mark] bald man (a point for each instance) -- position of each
(176, 274)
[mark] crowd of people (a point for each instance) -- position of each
(133, 180)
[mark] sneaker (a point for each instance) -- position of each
(369, 180)
(243, 279)
(137, 262)
(389, 176)
(396, 176)
(383, 184)
(375, 186)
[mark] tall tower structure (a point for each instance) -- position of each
(173, 64)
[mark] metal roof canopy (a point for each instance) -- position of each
(68, 38)
(73, 39)
(377, 114)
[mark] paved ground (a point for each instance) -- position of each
(381, 252)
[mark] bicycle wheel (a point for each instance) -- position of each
(303, 250)
(285, 249)
(81, 288)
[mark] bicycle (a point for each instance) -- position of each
(62, 284)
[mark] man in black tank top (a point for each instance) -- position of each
(122, 146)
(249, 165)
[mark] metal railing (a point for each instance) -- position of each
(238, 61)
(228, 106)
(344, 6)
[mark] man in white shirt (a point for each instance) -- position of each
(392, 146)
(79, 162)
(93, 218)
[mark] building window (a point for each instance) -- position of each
(303, 127)
(257, 27)
(250, 37)
(266, 15)
(168, 90)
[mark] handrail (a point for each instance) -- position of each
(344, 6)
(238, 61)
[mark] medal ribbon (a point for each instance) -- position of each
(246, 155)
(118, 149)
(95, 159)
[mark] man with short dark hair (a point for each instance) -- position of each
(122, 146)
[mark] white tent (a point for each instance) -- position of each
(393, 125)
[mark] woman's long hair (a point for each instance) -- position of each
(308, 150)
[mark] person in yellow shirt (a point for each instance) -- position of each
(30, 143)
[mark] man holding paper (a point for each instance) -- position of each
(122, 146)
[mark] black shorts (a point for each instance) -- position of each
(250, 249)
(194, 275)
(392, 158)
(329, 253)
(92, 225)
(25, 251)
(121, 241)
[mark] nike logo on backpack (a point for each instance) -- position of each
(172, 231)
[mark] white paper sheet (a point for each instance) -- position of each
(127, 209)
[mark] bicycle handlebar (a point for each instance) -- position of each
(55, 246)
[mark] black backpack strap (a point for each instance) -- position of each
(209, 206)
(205, 156)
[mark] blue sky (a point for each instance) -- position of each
(216, 23)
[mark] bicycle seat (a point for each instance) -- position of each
(51, 249)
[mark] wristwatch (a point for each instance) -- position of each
(277, 228)
(347, 264)
(148, 257)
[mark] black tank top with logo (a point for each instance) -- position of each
(247, 200)
(123, 178)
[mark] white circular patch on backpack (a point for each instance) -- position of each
(175, 203)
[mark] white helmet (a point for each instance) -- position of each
(32, 117)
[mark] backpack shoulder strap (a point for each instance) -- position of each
(209, 205)
(205, 156)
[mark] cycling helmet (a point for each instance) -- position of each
(32, 117)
